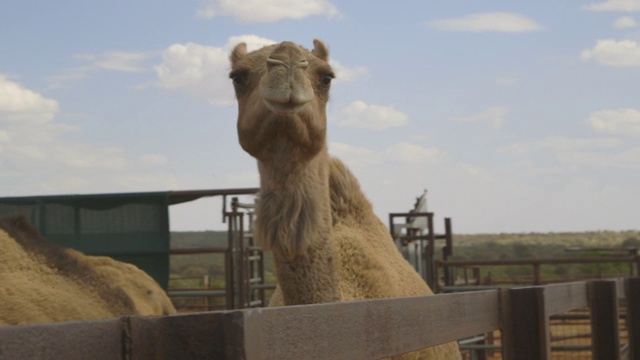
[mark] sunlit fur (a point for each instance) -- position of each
(41, 282)
(327, 242)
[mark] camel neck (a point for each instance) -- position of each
(294, 221)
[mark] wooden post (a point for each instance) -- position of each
(205, 281)
(525, 336)
(447, 251)
(431, 245)
(605, 336)
(632, 292)
(536, 274)
(448, 233)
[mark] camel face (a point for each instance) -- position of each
(282, 91)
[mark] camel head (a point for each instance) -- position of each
(282, 91)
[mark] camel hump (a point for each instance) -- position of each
(22, 231)
(347, 198)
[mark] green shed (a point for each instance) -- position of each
(131, 227)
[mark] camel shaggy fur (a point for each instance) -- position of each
(327, 242)
(41, 282)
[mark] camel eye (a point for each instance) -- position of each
(238, 78)
(326, 80)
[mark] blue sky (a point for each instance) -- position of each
(516, 116)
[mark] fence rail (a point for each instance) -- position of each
(367, 329)
(448, 269)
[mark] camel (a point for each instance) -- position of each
(327, 243)
(42, 282)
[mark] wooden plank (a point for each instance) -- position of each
(560, 298)
(369, 329)
(526, 335)
(632, 289)
(605, 336)
(186, 336)
(98, 340)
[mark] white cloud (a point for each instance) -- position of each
(574, 153)
(85, 156)
(200, 70)
(624, 22)
(120, 61)
(254, 42)
(476, 172)
(18, 104)
(414, 154)
(625, 53)
(34, 151)
(116, 61)
(560, 144)
(349, 151)
(494, 116)
(614, 5)
(358, 114)
(626, 159)
(345, 74)
(402, 152)
(488, 22)
(616, 122)
(197, 70)
(267, 11)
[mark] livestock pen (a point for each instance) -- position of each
(369, 329)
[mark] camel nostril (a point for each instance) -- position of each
(271, 62)
(303, 64)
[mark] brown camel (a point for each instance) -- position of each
(327, 243)
(41, 282)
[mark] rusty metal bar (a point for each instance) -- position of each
(605, 334)
(204, 250)
(541, 261)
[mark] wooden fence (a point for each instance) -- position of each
(448, 268)
(368, 329)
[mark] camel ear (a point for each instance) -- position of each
(320, 50)
(238, 52)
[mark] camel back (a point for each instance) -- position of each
(41, 282)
